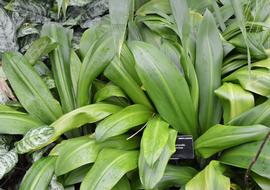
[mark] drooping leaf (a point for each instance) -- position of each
(39, 175)
(118, 75)
(34, 138)
(176, 176)
(60, 61)
(221, 137)
(155, 137)
(211, 178)
(256, 81)
(241, 156)
(7, 33)
(7, 162)
(160, 7)
(38, 48)
(150, 176)
(93, 65)
(209, 55)
(257, 115)
(81, 116)
(32, 92)
(122, 121)
(119, 14)
(73, 153)
(235, 100)
(110, 167)
(15, 122)
(166, 87)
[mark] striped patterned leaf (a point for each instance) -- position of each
(34, 138)
(7, 162)
(55, 185)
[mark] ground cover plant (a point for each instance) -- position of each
(104, 112)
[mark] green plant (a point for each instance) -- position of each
(143, 74)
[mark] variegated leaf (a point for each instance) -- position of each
(7, 162)
(55, 185)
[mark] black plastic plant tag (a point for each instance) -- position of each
(184, 148)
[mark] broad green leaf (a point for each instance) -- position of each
(119, 14)
(108, 91)
(118, 75)
(89, 38)
(221, 137)
(110, 167)
(31, 91)
(209, 55)
(15, 122)
(81, 116)
(73, 153)
(39, 48)
(60, 61)
(155, 137)
(211, 178)
(235, 100)
(75, 67)
(150, 176)
(260, 114)
(241, 156)
(77, 175)
(176, 176)
(263, 182)
(166, 87)
(122, 121)
(93, 65)
(7, 162)
(123, 184)
(127, 59)
(34, 138)
(232, 66)
(39, 175)
(256, 81)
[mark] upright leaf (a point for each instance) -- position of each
(150, 176)
(119, 14)
(60, 61)
(155, 137)
(241, 156)
(32, 92)
(39, 175)
(166, 87)
(209, 55)
(110, 167)
(122, 121)
(93, 65)
(235, 100)
(211, 178)
(221, 137)
(118, 75)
